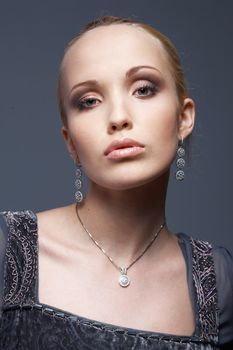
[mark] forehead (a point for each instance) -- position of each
(114, 48)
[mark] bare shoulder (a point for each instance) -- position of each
(55, 225)
(54, 217)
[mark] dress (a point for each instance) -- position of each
(27, 324)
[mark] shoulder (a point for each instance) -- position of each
(221, 255)
(17, 214)
(55, 215)
(18, 238)
(55, 227)
(46, 218)
(48, 224)
(27, 220)
(223, 267)
(223, 258)
(55, 219)
(17, 220)
(223, 263)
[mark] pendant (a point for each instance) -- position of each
(124, 280)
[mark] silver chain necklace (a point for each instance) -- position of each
(124, 279)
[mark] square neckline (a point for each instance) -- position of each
(182, 238)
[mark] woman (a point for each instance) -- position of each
(107, 273)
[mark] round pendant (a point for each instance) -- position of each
(181, 152)
(79, 196)
(180, 175)
(180, 163)
(124, 280)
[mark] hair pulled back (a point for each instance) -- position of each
(172, 55)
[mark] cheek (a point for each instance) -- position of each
(161, 127)
(160, 118)
(83, 136)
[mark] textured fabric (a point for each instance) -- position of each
(3, 243)
(224, 269)
(27, 325)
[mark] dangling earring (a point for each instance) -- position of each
(78, 183)
(180, 162)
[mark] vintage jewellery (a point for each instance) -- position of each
(78, 183)
(124, 279)
(180, 162)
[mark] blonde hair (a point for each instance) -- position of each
(172, 55)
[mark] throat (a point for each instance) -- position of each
(123, 250)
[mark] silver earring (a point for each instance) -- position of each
(78, 184)
(180, 162)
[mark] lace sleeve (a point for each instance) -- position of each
(224, 273)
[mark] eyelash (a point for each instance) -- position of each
(81, 103)
(150, 86)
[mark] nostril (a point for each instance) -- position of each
(114, 126)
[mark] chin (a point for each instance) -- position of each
(128, 183)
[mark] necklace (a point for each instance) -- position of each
(124, 279)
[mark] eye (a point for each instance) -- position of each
(146, 89)
(87, 103)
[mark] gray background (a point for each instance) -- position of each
(36, 170)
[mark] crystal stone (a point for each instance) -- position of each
(181, 152)
(180, 175)
(180, 162)
(124, 281)
(79, 196)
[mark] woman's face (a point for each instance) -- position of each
(118, 87)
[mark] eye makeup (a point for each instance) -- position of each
(84, 98)
(86, 103)
(145, 88)
(141, 85)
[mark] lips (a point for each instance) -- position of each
(126, 147)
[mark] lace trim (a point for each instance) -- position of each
(21, 258)
(205, 283)
(21, 271)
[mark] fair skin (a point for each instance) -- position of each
(126, 198)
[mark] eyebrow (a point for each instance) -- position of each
(85, 83)
(128, 74)
(134, 70)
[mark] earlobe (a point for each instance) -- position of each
(64, 132)
(69, 143)
(186, 118)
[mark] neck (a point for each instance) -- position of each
(123, 222)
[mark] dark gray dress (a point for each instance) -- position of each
(27, 324)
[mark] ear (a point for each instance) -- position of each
(186, 118)
(69, 143)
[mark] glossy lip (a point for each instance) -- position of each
(134, 147)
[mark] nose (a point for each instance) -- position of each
(119, 119)
(119, 125)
